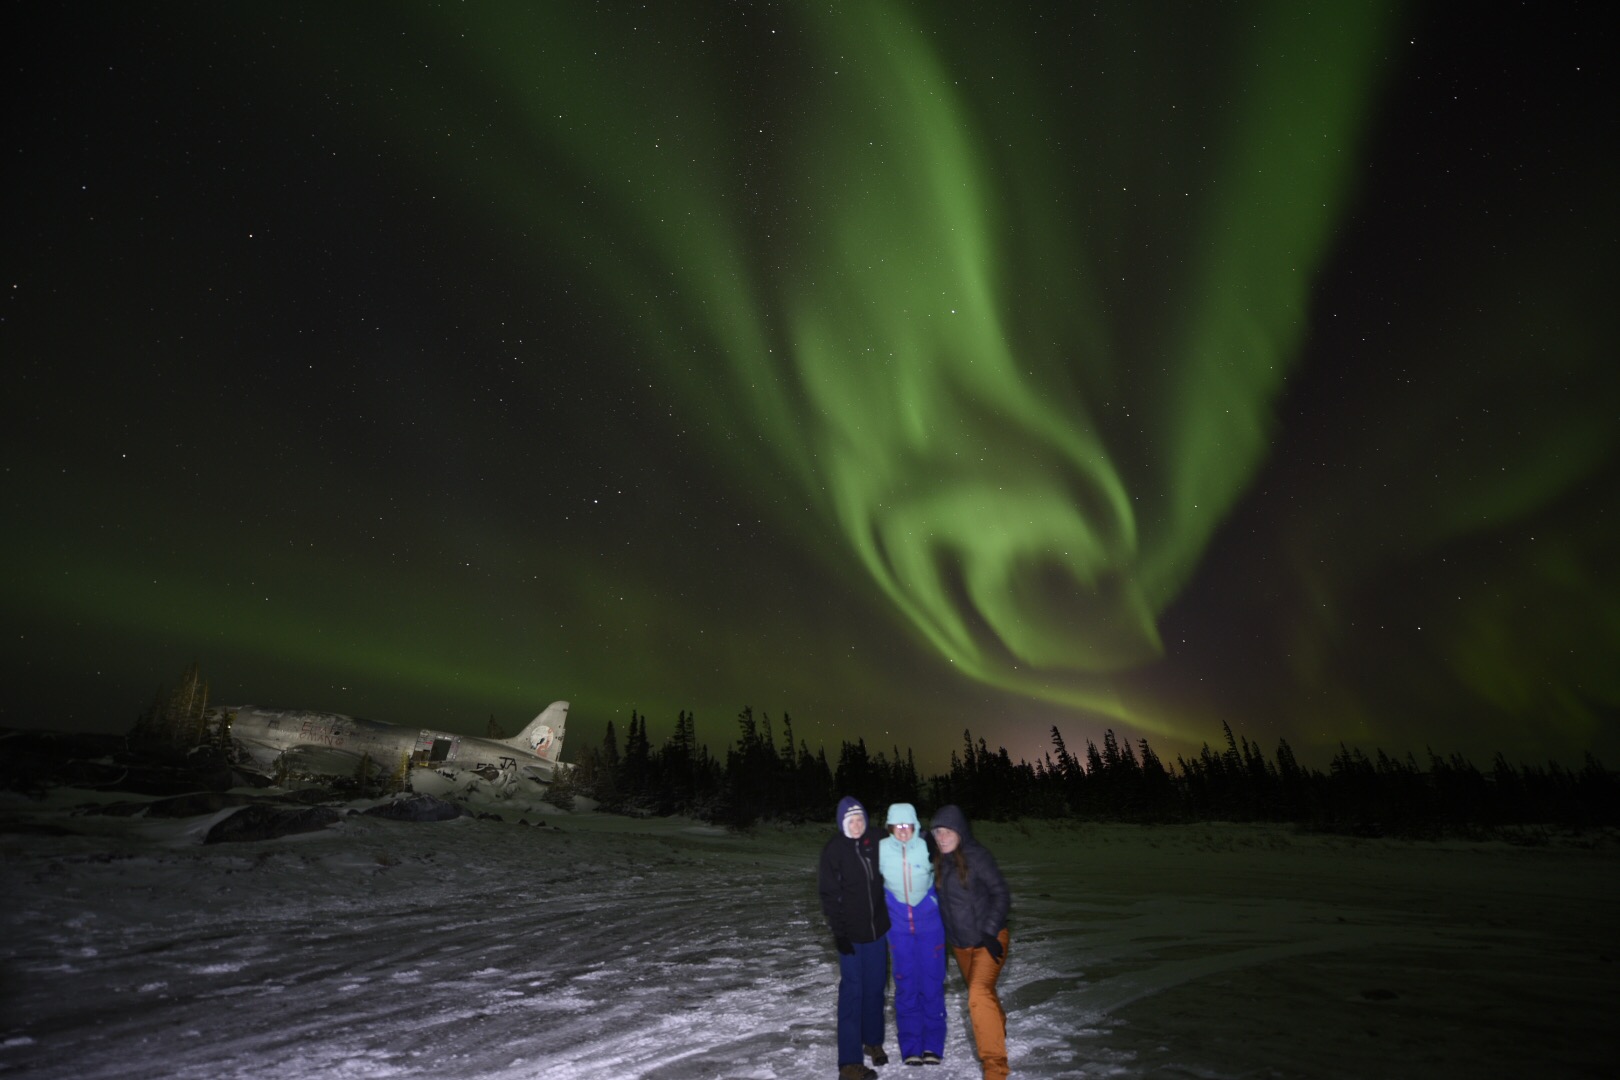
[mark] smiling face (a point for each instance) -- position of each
(903, 833)
(855, 825)
(947, 839)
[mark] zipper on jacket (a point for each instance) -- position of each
(871, 912)
(905, 870)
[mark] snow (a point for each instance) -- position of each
(584, 945)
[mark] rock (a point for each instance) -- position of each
(266, 821)
(416, 808)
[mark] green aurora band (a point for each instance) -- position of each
(918, 323)
(906, 366)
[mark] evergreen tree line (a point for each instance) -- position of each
(762, 776)
(766, 776)
(1357, 794)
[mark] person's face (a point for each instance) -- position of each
(947, 839)
(903, 833)
(855, 827)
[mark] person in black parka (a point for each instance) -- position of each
(973, 903)
(851, 889)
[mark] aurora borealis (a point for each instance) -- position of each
(907, 368)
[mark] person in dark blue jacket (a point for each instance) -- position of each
(851, 887)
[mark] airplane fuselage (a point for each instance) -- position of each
(334, 744)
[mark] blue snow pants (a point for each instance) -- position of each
(862, 977)
(917, 945)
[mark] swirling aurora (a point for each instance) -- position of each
(902, 368)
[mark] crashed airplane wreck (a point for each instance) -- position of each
(295, 742)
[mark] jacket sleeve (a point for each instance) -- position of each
(829, 881)
(993, 891)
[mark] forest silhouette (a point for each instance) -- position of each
(763, 777)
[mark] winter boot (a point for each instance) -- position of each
(876, 1054)
(856, 1072)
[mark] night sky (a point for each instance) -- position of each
(904, 368)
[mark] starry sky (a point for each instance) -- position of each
(905, 368)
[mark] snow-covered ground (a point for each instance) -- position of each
(584, 946)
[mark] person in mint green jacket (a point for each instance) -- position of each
(916, 937)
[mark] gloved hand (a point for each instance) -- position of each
(845, 946)
(992, 946)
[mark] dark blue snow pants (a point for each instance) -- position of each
(917, 944)
(862, 977)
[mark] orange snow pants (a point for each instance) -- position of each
(980, 971)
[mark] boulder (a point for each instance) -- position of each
(267, 821)
(416, 808)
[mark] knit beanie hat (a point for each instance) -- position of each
(851, 813)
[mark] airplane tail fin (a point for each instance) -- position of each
(544, 736)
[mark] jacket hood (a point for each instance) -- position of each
(845, 805)
(901, 813)
(952, 818)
